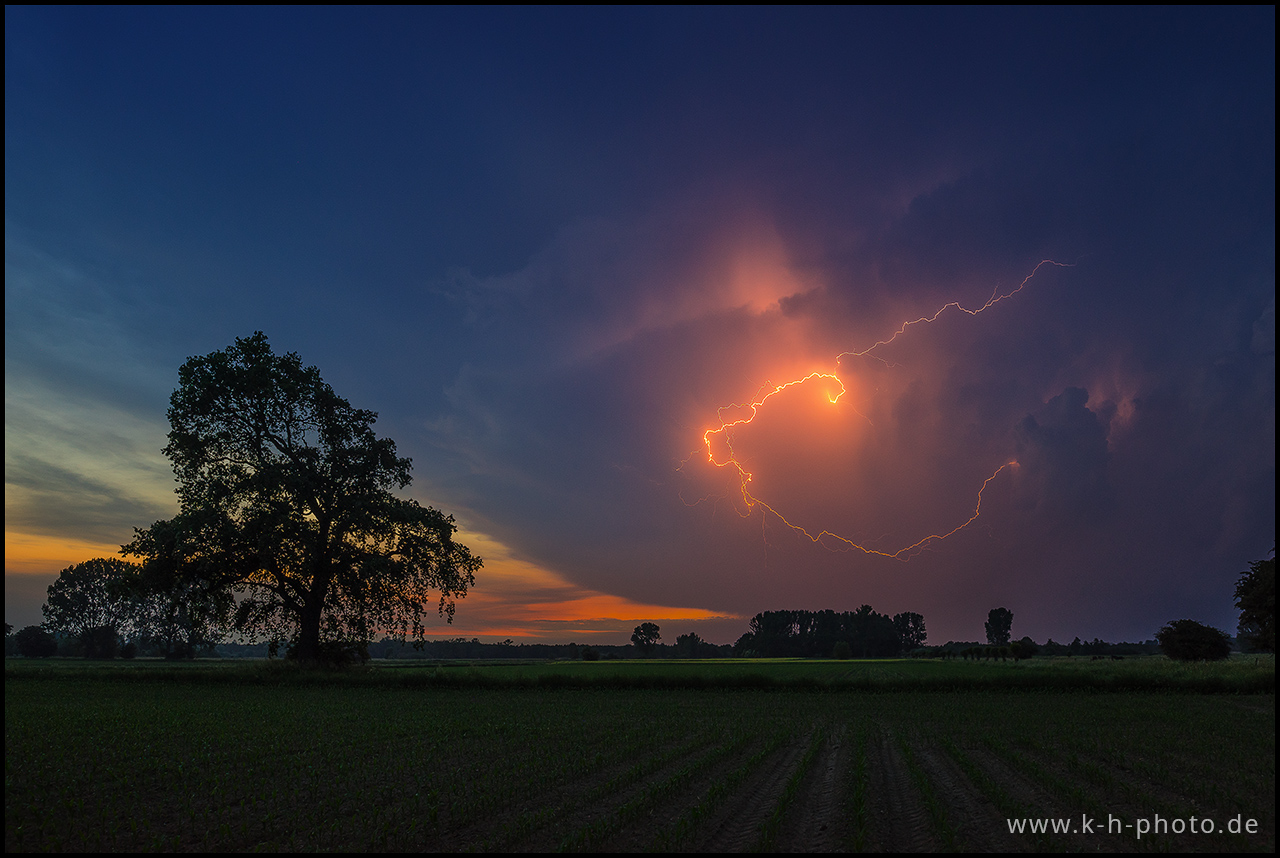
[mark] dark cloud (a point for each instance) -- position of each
(1063, 459)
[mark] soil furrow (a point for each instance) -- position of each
(735, 827)
(815, 823)
(664, 809)
(898, 817)
(979, 825)
(1035, 801)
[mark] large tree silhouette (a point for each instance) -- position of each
(286, 497)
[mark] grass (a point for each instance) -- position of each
(1240, 674)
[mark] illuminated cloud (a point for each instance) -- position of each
(601, 284)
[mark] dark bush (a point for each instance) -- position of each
(842, 650)
(100, 642)
(1025, 648)
(35, 642)
(1187, 640)
(589, 654)
(331, 654)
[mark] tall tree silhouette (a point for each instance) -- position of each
(286, 495)
(999, 626)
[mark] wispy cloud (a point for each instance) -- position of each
(84, 416)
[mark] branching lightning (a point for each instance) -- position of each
(995, 298)
(722, 434)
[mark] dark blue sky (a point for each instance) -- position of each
(547, 244)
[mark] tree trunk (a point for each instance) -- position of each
(308, 647)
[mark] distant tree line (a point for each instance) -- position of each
(858, 634)
(686, 646)
(1027, 648)
(1097, 646)
(107, 608)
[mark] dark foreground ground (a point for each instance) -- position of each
(117, 760)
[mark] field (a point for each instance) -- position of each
(632, 756)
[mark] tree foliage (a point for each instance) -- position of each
(185, 609)
(1187, 640)
(92, 603)
(687, 645)
(692, 645)
(286, 497)
(1023, 649)
(1256, 599)
(813, 634)
(999, 626)
(35, 642)
(646, 637)
(911, 631)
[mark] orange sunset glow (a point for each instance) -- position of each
(529, 603)
(35, 554)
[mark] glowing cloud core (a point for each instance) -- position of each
(719, 450)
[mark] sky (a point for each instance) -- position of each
(562, 252)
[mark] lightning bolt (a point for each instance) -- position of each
(723, 433)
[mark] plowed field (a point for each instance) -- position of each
(116, 766)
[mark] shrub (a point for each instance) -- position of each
(589, 654)
(842, 650)
(331, 653)
(1023, 649)
(1187, 640)
(100, 642)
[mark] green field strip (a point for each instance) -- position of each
(1154, 674)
